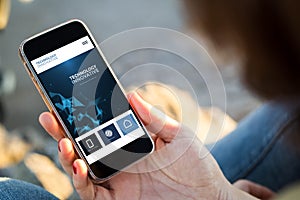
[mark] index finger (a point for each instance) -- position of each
(50, 124)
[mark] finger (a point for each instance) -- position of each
(154, 120)
(254, 189)
(50, 124)
(159, 144)
(66, 154)
(84, 187)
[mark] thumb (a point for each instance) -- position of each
(254, 189)
(155, 121)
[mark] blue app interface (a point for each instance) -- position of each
(88, 99)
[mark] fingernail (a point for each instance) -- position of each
(74, 169)
(58, 145)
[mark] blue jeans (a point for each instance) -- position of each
(261, 149)
(11, 189)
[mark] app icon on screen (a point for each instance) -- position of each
(109, 134)
(127, 124)
(90, 144)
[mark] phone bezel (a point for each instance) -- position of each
(46, 42)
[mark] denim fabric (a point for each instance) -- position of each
(261, 148)
(11, 189)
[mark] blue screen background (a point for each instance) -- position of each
(85, 105)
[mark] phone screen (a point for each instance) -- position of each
(87, 98)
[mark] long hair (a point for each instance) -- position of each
(265, 34)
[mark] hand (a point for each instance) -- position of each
(180, 168)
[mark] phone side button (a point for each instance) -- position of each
(42, 94)
(27, 69)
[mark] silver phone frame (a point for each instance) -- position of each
(29, 68)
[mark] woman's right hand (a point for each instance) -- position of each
(180, 167)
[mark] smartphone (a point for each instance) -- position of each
(80, 89)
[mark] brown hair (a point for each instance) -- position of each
(265, 33)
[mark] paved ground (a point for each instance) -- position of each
(105, 18)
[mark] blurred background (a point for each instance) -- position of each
(20, 101)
